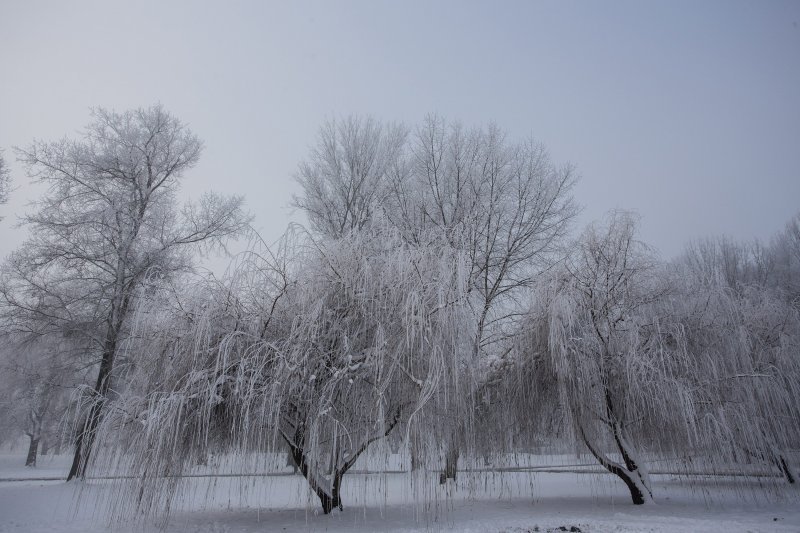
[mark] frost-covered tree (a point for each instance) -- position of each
(612, 279)
(502, 204)
(589, 337)
(508, 207)
(36, 381)
(374, 351)
(745, 334)
(345, 176)
(694, 363)
(326, 354)
(109, 218)
(724, 262)
(785, 247)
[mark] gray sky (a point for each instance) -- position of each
(687, 112)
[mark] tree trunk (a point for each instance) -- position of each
(640, 494)
(775, 456)
(34, 446)
(290, 462)
(632, 464)
(450, 464)
(331, 499)
(451, 456)
(786, 470)
(415, 459)
(328, 501)
(637, 494)
(85, 439)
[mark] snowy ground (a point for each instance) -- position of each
(494, 502)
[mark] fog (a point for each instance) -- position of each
(687, 113)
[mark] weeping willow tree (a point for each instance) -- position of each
(504, 205)
(640, 362)
(326, 352)
(745, 339)
(598, 347)
(375, 340)
(590, 350)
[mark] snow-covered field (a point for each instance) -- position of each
(483, 501)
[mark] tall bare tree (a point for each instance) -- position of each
(344, 177)
(504, 204)
(588, 335)
(109, 218)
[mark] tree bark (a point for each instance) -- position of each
(32, 449)
(416, 462)
(331, 499)
(290, 461)
(631, 464)
(786, 470)
(328, 501)
(450, 464)
(85, 439)
(628, 457)
(638, 496)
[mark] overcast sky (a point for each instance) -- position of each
(687, 112)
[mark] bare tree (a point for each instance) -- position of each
(328, 358)
(110, 216)
(745, 323)
(505, 205)
(737, 266)
(344, 178)
(681, 361)
(36, 381)
(377, 349)
(786, 250)
(508, 207)
(589, 337)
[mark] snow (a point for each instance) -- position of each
(510, 502)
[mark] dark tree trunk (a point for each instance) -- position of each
(450, 464)
(775, 456)
(627, 477)
(336, 500)
(333, 500)
(290, 462)
(415, 460)
(786, 470)
(45, 446)
(329, 502)
(32, 449)
(630, 464)
(85, 439)
(637, 496)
